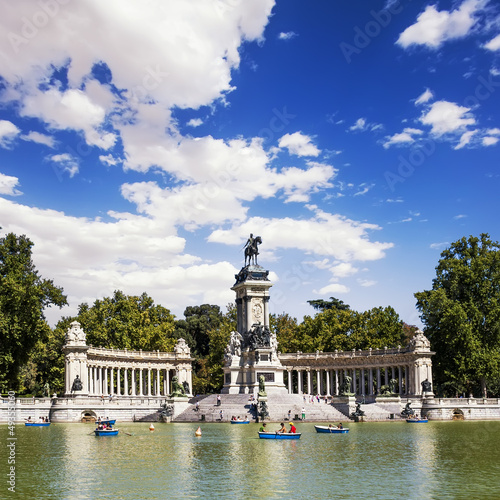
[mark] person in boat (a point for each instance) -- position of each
(263, 428)
(29, 419)
(293, 429)
(340, 426)
(282, 429)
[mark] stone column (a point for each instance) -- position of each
(149, 381)
(386, 373)
(266, 311)
(133, 381)
(118, 381)
(400, 379)
(328, 375)
(105, 392)
(354, 385)
(378, 380)
(140, 383)
(309, 382)
(318, 382)
(157, 382)
(248, 312)
(125, 380)
(290, 385)
(370, 381)
(336, 383)
(299, 381)
(362, 381)
(112, 381)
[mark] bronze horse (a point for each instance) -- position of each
(251, 251)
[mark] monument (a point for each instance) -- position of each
(252, 351)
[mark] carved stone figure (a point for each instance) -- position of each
(392, 385)
(251, 249)
(408, 411)
(177, 388)
(385, 390)
(235, 343)
(185, 385)
(75, 334)
(345, 388)
(420, 342)
(260, 336)
(167, 410)
(262, 386)
(77, 384)
(426, 386)
(182, 348)
(358, 412)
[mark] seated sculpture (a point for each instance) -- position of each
(177, 388)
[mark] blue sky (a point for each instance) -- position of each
(142, 142)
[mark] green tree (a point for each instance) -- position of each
(194, 329)
(23, 297)
(209, 375)
(128, 322)
(462, 314)
(325, 305)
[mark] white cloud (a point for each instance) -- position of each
(367, 283)
(434, 27)
(493, 44)
(364, 188)
(359, 125)
(405, 137)
(343, 270)
(426, 96)
(324, 234)
(362, 125)
(65, 163)
(465, 139)
(109, 160)
(194, 122)
(8, 132)
(298, 144)
(490, 141)
(8, 185)
(460, 216)
(287, 35)
(39, 138)
(439, 246)
(445, 117)
(333, 288)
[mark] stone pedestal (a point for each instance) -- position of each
(252, 350)
(345, 404)
(75, 350)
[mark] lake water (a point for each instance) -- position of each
(373, 461)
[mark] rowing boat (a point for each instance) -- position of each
(331, 430)
(37, 424)
(239, 421)
(417, 420)
(279, 435)
(106, 432)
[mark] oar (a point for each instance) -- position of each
(128, 434)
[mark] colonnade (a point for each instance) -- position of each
(129, 381)
(364, 381)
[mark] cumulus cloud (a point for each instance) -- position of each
(287, 35)
(39, 138)
(64, 163)
(433, 27)
(426, 96)
(298, 144)
(445, 117)
(8, 185)
(194, 122)
(333, 288)
(8, 132)
(493, 44)
(405, 137)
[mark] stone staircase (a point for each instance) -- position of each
(239, 405)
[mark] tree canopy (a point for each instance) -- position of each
(23, 297)
(128, 322)
(325, 305)
(462, 315)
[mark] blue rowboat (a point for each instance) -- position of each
(37, 424)
(417, 420)
(107, 422)
(331, 430)
(239, 421)
(279, 435)
(106, 432)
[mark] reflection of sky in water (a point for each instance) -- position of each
(374, 461)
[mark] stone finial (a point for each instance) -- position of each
(420, 342)
(182, 349)
(75, 335)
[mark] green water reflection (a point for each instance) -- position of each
(374, 461)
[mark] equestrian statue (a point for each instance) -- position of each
(251, 249)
